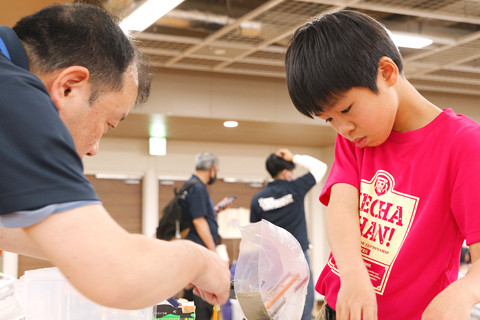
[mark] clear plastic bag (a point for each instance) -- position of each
(272, 273)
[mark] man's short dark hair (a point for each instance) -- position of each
(275, 165)
(332, 54)
(76, 34)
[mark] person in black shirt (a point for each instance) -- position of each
(199, 208)
(282, 202)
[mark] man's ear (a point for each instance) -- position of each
(211, 171)
(388, 70)
(70, 84)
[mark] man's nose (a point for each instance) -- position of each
(93, 151)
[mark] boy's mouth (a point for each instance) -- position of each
(360, 142)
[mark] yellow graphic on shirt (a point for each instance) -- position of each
(386, 217)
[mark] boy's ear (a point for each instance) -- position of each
(388, 70)
(70, 84)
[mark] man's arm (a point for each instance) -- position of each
(203, 230)
(356, 297)
(121, 270)
(316, 167)
(458, 299)
(16, 240)
(254, 215)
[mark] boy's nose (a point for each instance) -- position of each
(345, 128)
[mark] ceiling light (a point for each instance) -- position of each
(158, 130)
(158, 146)
(147, 14)
(230, 124)
(410, 41)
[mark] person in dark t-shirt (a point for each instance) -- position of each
(282, 202)
(199, 208)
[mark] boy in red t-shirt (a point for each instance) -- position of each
(401, 193)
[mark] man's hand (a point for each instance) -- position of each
(457, 300)
(223, 204)
(213, 285)
(356, 299)
(285, 154)
(451, 303)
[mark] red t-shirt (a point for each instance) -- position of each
(418, 202)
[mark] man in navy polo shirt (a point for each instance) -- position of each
(199, 208)
(68, 73)
(282, 202)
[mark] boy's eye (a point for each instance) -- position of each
(328, 120)
(346, 110)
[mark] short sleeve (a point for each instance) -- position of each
(39, 163)
(303, 184)
(464, 198)
(344, 168)
(197, 198)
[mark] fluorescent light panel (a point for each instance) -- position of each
(158, 146)
(147, 14)
(410, 41)
(158, 130)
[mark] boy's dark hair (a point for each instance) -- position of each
(332, 54)
(76, 34)
(275, 165)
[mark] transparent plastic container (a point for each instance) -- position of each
(49, 296)
(12, 295)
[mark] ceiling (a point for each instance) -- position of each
(249, 37)
(256, 132)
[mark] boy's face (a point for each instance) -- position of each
(363, 117)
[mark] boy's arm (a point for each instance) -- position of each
(356, 298)
(127, 271)
(458, 299)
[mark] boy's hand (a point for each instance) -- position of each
(356, 298)
(285, 154)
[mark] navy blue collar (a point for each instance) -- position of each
(4, 50)
(12, 47)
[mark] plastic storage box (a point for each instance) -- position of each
(11, 298)
(49, 296)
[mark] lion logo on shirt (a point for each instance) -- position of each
(382, 185)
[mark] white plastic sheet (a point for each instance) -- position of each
(272, 273)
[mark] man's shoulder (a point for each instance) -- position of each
(16, 82)
(262, 193)
(194, 185)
